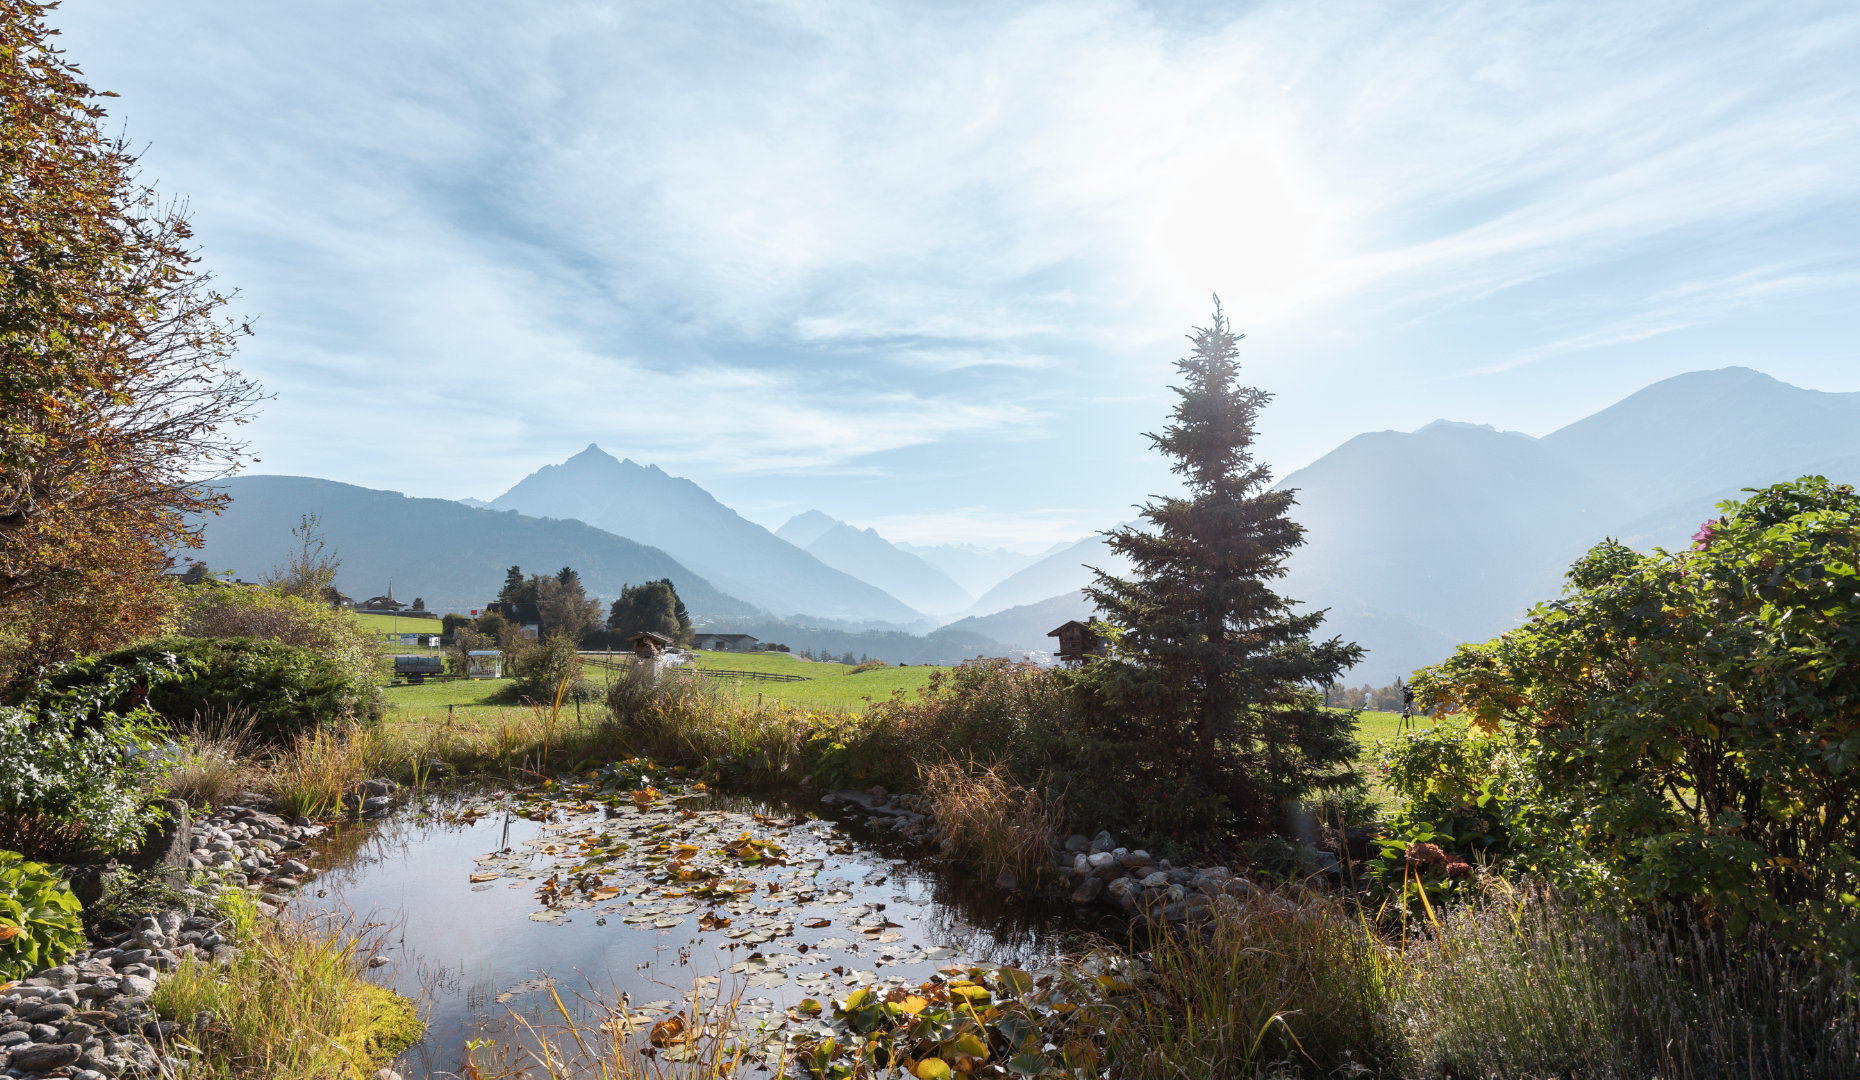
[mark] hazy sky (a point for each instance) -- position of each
(926, 266)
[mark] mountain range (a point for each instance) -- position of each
(643, 503)
(450, 555)
(869, 557)
(1415, 541)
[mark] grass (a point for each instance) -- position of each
(394, 624)
(293, 1005)
(990, 822)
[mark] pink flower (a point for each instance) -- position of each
(1704, 535)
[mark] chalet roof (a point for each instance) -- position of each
(1064, 626)
(653, 636)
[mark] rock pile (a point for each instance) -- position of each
(89, 1018)
(1095, 870)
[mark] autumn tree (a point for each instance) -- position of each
(117, 398)
(564, 608)
(1217, 668)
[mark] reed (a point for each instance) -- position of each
(990, 822)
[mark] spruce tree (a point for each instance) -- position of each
(1214, 667)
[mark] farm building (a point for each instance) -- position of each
(725, 642)
(527, 618)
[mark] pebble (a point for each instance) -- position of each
(57, 1022)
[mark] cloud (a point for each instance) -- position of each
(790, 237)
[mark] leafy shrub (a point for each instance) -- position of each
(681, 719)
(537, 669)
(214, 609)
(76, 755)
(1683, 724)
(41, 923)
(285, 689)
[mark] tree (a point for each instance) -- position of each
(653, 606)
(309, 571)
(116, 395)
(1217, 667)
(562, 606)
(517, 589)
(419, 604)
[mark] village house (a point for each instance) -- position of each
(725, 642)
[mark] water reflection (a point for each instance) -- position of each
(847, 905)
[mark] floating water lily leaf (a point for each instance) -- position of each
(933, 1069)
(605, 892)
(769, 979)
(816, 924)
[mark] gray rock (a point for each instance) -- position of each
(167, 842)
(1088, 890)
(1103, 842)
(14, 1038)
(1007, 881)
(45, 1058)
(1157, 880)
(1098, 860)
(49, 1012)
(1126, 891)
(379, 786)
(1240, 889)
(59, 977)
(1135, 859)
(137, 986)
(1076, 843)
(1081, 864)
(377, 804)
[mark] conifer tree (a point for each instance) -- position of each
(1214, 664)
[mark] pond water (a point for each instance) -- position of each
(481, 896)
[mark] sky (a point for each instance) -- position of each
(926, 267)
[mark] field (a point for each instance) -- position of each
(830, 687)
(378, 623)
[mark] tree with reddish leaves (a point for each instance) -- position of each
(117, 398)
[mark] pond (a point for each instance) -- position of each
(481, 896)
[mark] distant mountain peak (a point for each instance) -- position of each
(593, 454)
(1461, 425)
(808, 526)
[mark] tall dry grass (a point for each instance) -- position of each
(1521, 984)
(213, 763)
(990, 822)
(679, 718)
(293, 1005)
(1282, 983)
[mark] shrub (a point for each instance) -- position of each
(680, 719)
(537, 669)
(76, 754)
(41, 923)
(285, 689)
(217, 610)
(206, 764)
(1682, 724)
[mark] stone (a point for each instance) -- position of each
(14, 1038)
(59, 977)
(166, 842)
(1240, 889)
(137, 986)
(1135, 859)
(386, 1074)
(379, 786)
(1076, 843)
(1088, 890)
(1081, 864)
(1126, 891)
(45, 1058)
(1098, 860)
(46, 1013)
(1157, 880)
(1007, 881)
(377, 804)
(1103, 842)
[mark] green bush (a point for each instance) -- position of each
(215, 609)
(41, 923)
(76, 751)
(286, 690)
(1684, 725)
(537, 669)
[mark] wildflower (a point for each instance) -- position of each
(1459, 868)
(1426, 854)
(1703, 537)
